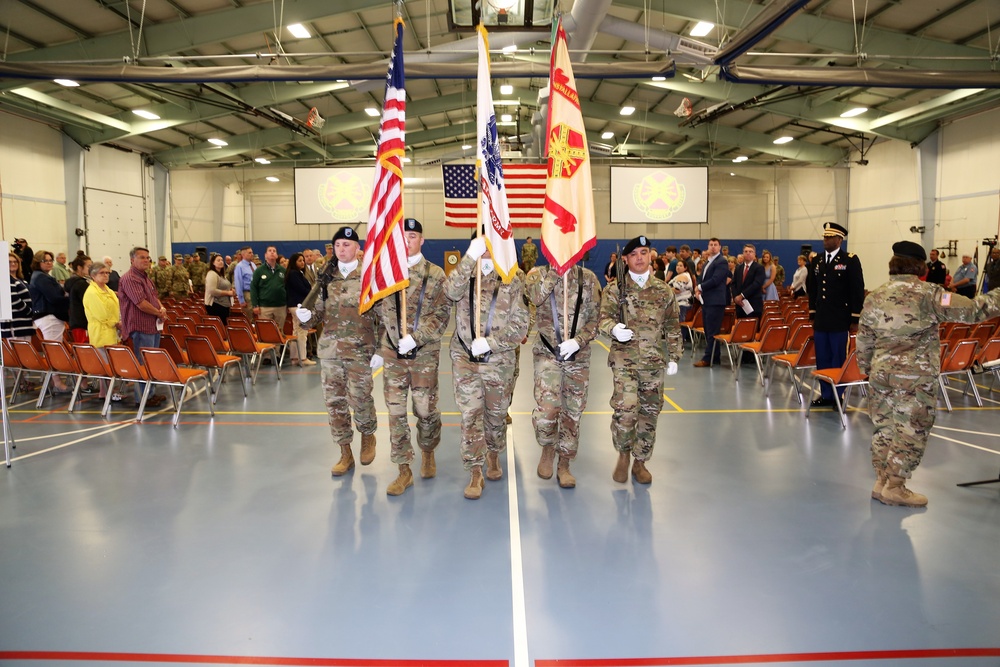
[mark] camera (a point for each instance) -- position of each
(16, 247)
(990, 242)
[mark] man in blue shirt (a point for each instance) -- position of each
(964, 280)
(242, 277)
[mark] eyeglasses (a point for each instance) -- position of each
(104, 273)
(46, 261)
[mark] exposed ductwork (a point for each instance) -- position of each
(873, 78)
(682, 49)
(769, 20)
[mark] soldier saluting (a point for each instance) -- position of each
(411, 359)
(637, 312)
(483, 361)
(562, 361)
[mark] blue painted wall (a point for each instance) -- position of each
(434, 250)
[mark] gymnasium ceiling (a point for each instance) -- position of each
(779, 68)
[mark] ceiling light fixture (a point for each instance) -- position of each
(466, 147)
(262, 160)
(627, 110)
(273, 179)
(740, 158)
(299, 30)
(782, 140)
(406, 159)
(512, 48)
(371, 111)
(69, 83)
(607, 135)
(506, 117)
(217, 142)
(701, 29)
(856, 111)
(506, 89)
(148, 115)
(659, 78)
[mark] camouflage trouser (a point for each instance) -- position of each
(560, 398)
(418, 376)
(902, 409)
(482, 392)
(347, 388)
(636, 403)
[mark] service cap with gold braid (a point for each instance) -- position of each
(833, 229)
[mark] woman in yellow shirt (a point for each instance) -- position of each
(100, 304)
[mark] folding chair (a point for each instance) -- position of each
(802, 360)
(218, 342)
(772, 342)
(203, 355)
(62, 361)
(694, 326)
(988, 360)
(742, 332)
(268, 332)
(846, 377)
(959, 361)
(13, 364)
(33, 361)
(213, 321)
(162, 370)
(125, 368)
(241, 343)
(94, 366)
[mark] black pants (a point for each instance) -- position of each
(222, 312)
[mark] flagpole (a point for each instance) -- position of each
(479, 233)
(565, 283)
(402, 313)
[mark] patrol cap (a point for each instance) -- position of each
(637, 242)
(178, 256)
(909, 249)
(833, 229)
(162, 257)
(346, 233)
(413, 225)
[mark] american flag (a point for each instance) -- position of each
(384, 269)
(525, 194)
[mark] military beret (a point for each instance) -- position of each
(637, 242)
(163, 257)
(178, 256)
(909, 249)
(346, 233)
(833, 229)
(413, 225)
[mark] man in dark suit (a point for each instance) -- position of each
(748, 283)
(836, 288)
(713, 291)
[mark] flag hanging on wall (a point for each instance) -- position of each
(384, 269)
(568, 226)
(525, 194)
(495, 216)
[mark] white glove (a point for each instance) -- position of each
(672, 368)
(376, 361)
(406, 343)
(477, 248)
(568, 348)
(303, 314)
(621, 333)
(480, 346)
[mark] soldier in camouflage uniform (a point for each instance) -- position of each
(899, 348)
(161, 274)
(198, 270)
(346, 351)
(483, 365)
(562, 365)
(529, 254)
(649, 314)
(179, 285)
(411, 360)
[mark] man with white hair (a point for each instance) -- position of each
(113, 280)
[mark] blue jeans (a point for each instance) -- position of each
(139, 341)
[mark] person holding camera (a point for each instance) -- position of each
(23, 251)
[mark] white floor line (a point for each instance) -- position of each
(967, 444)
(516, 564)
(74, 431)
(73, 442)
(962, 430)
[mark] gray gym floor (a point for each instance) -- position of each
(226, 541)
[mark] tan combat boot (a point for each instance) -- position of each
(880, 479)
(367, 448)
(427, 466)
(345, 463)
(493, 470)
(545, 463)
(621, 468)
(895, 493)
(401, 483)
(476, 483)
(640, 473)
(566, 479)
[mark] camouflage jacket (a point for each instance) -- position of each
(198, 271)
(347, 333)
(161, 276)
(178, 280)
(651, 313)
(542, 282)
(434, 313)
(529, 252)
(509, 324)
(898, 332)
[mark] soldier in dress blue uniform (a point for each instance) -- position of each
(836, 288)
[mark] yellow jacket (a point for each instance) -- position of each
(103, 313)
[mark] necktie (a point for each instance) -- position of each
(829, 257)
(746, 270)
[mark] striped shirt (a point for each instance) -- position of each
(20, 299)
(134, 288)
